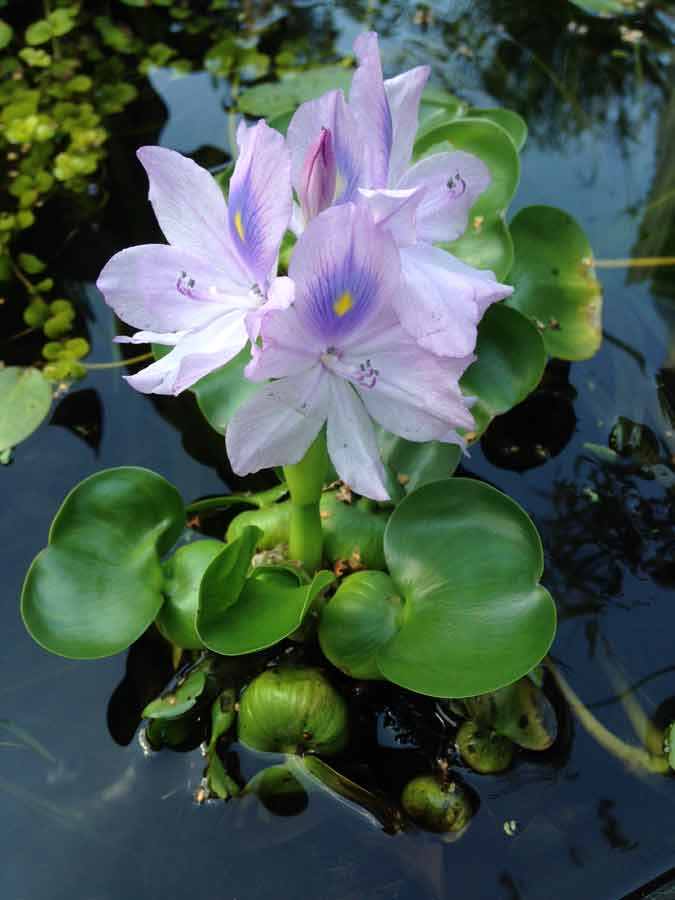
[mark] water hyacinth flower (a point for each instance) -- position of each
(442, 300)
(339, 356)
(195, 293)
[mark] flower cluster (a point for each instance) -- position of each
(372, 323)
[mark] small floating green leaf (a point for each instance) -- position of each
(513, 124)
(179, 701)
(293, 89)
(25, 399)
(554, 281)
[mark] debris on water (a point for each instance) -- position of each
(510, 827)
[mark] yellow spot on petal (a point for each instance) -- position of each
(343, 304)
(238, 224)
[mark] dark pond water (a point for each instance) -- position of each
(87, 818)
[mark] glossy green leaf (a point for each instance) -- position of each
(182, 577)
(486, 244)
(467, 561)
(361, 618)
(351, 530)
(25, 399)
(222, 392)
(437, 101)
(491, 143)
(223, 715)
(510, 364)
(293, 89)
(98, 584)
(6, 33)
(177, 702)
(513, 124)
(413, 464)
(554, 281)
(241, 612)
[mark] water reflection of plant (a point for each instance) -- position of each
(615, 516)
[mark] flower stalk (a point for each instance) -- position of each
(305, 482)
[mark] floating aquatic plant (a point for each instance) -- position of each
(360, 361)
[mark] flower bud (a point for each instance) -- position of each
(289, 710)
(318, 176)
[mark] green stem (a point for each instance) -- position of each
(632, 756)
(120, 363)
(305, 483)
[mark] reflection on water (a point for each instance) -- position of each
(91, 817)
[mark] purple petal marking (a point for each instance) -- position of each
(404, 93)
(318, 176)
(352, 445)
(344, 269)
(260, 199)
(453, 183)
(443, 300)
(189, 207)
(278, 424)
(369, 103)
(156, 287)
(395, 211)
(195, 355)
(332, 113)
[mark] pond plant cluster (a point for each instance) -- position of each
(352, 311)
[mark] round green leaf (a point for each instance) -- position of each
(509, 366)
(98, 584)
(413, 464)
(467, 561)
(363, 615)
(25, 399)
(268, 100)
(182, 577)
(179, 701)
(437, 101)
(38, 33)
(6, 33)
(488, 141)
(486, 244)
(554, 281)
(513, 124)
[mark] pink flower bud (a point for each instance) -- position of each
(318, 176)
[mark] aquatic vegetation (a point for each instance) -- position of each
(351, 308)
